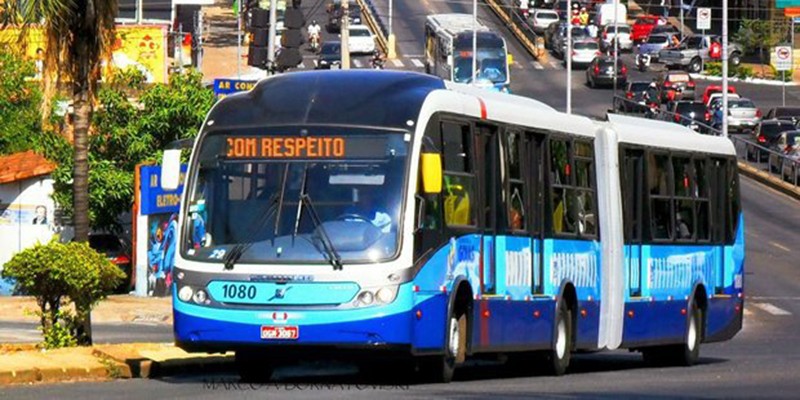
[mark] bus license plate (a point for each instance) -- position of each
(280, 332)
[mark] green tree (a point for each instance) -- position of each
(20, 98)
(56, 274)
(758, 35)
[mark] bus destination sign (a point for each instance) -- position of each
(305, 147)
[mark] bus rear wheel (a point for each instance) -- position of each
(254, 366)
(440, 369)
(558, 358)
(684, 354)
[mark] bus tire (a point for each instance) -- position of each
(558, 358)
(688, 353)
(254, 366)
(440, 369)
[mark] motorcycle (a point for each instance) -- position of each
(314, 42)
(643, 61)
(378, 62)
(652, 110)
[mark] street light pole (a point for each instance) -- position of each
(391, 40)
(474, 40)
(616, 48)
(568, 55)
(345, 29)
(725, 68)
(239, 40)
(273, 20)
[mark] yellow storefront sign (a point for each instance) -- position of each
(143, 47)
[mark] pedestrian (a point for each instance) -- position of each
(715, 49)
(584, 16)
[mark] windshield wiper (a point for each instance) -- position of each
(327, 244)
(239, 248)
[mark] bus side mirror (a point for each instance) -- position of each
(509, 59)
(431, 173)
(171, 169)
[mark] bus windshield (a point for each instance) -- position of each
(289, 194)
(491, 65)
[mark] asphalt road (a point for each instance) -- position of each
(762, 361)
(24, 332)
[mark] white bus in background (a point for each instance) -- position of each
(448, 52)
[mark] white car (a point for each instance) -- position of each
(622, 34)
(584, 51)
(361, 39)
(541, 19)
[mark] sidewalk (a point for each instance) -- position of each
(25, 363)
(220, 45)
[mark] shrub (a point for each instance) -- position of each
(56, 274)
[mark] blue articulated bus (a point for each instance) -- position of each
(375, 214)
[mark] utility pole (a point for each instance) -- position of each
(568, 55)
(199, 41)
(345, 28)
(725, 68)
(474, 41)
(239, 40)
(616, 47)
(273, 21)
(391, 41)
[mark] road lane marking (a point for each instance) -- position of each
(357, 63)
(794, 298)
(301, 66)
(780, 246)
(398, 63)
(417, 63)
(747, 312)
(770, 308)
(537, 65)
(554, 64)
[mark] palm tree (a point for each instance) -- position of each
(78, 34)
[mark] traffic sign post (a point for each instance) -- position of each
(783, 63)
(703, 18)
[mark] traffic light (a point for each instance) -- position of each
(292, 38)
(258, 25)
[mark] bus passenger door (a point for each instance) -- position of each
(489, 179)
(632, 197)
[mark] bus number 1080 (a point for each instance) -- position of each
(239, 291)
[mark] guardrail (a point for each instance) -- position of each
(368, 13)
(781, 171)
(517, 25)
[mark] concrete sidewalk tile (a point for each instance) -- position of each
(51, 366)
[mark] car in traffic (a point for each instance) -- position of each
(715, 100)
(361, 39)
(541, 19)
(620, 33)
(642, 26)
(787, 113)
(666, 29)
(692, 52)
(653, 44)
(675, 85)
(583, 52)
(787, 145)
(118, 251)
(560, 44)
(690, 113)
(711, 89)
(743, 114)
(633, 100)
(601, 72)
(766, 135)
(330, 55)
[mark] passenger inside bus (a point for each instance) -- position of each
(456, 202)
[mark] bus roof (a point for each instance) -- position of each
(315, 97)
(648, 132)
(452, 24)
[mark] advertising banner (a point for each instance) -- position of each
(143, 47)
(156, 200)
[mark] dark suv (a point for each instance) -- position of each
(118, 251)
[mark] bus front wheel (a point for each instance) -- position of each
(440, 369)
(559, 356)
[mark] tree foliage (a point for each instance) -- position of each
(57, 274)
(20, 98)
(758, 35)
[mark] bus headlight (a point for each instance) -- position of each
(386, 294)
(185, 294)
(200, 296)
(366, 298)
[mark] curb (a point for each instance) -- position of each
(366, 15)
(147, 361)
(754, 81)
(766, 179)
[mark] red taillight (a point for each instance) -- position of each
(758, 112)
(605, 35)
(708, 116)
(597, 53)
(574, 53)
(761, 139)
(628, 95)
(690, 84)
(667, 84)
(624, 70)
(596, 70)
(121, 260)
(677, 118)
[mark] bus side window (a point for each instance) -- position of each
(515, 196)
(561, 194)
(459, 177)
(659, 171)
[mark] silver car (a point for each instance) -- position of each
(653, 45)
(560, 44)
(541, 19)
(584, 51)
(743, 114)
(620, 33)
